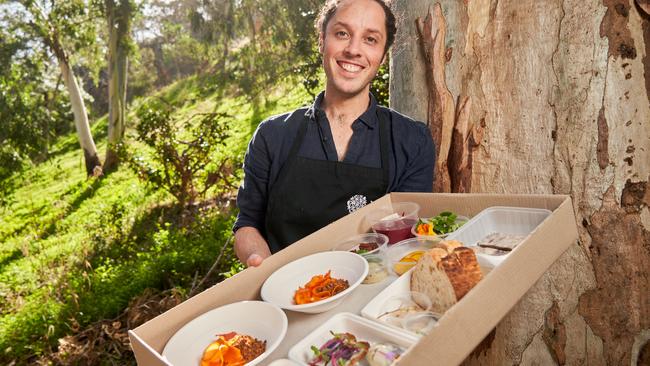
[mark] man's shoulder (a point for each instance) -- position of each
(284, 120)
(403, 122)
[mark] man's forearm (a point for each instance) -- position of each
(250, 246)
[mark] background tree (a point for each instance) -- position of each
(32, 108)
(560, 91)
(118, 18)
(57, 24)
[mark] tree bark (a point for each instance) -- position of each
(561, 90)
(119, 28)
(93, 165)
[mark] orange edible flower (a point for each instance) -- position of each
(222, 353)
(318, 288)
(425, 229)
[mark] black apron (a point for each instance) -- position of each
(310, 194)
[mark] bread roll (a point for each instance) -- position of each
(445, 279)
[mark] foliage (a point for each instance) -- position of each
(32, 108)
(77, 250)
(380, 85)
(182, 157)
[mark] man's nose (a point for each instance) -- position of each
(353, 47)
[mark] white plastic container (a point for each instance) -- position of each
(497, 219)
(363, 330)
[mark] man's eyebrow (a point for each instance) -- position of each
(369, 30)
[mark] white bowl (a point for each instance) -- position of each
(280, 287)
(257, 319)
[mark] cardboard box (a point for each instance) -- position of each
(456, 334)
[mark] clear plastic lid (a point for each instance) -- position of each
(364, 244)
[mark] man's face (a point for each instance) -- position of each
(353, 47)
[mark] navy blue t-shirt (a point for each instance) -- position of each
(411, 154)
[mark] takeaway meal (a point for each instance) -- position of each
(395, 221)
(399, 308)
(232, 349)
(395, 228)
(407, 262)
(444, 223)
(320, 287)
(344, 349)
(498, 243)
(377, 271)
(445, 274)
(365, 248)
(383, 354)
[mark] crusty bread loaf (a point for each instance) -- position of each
(430, 279)
(446, 279)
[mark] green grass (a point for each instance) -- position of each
(75, 250)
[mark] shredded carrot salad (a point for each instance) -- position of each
(222, 353)
(318, 288)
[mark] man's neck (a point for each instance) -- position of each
(345, 110)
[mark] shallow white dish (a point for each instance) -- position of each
(280, 287)
(401, 286)
(363, 329)
(498, 219)
(284, 362)
(257, 319)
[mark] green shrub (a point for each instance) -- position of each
(183, 152)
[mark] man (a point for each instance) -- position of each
(310, 167)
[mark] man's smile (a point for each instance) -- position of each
(350, 67)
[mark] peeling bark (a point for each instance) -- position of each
(562, 89)
(644, 5)
(620, 252)
(554, 334)
(644, 355)
(432, 32)
(455, 139)
(614, 27)
(646, 59)
(603, 140)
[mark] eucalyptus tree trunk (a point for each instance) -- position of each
(560, 104)
(93, 165)
(119, 28)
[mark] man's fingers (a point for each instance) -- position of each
(254, 260)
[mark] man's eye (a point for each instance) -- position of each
(371, 40)
(341, 34)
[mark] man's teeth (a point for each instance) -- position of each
(350, 67)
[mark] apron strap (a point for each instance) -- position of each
(385, 119)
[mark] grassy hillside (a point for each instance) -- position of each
(75, 250)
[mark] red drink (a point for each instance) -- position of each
(396, 230)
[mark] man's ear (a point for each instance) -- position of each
(320, 42)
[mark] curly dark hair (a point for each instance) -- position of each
(331, 6)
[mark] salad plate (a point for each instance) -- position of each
(363, 329)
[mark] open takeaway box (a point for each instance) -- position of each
(456, 334)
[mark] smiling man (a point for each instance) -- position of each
(308, 168)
